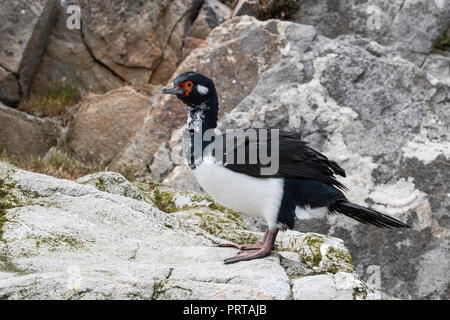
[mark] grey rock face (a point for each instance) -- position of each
(23, 136)
(105, 124)
(67, 59)
(161, 164)
(24, 33)
(139, 41)
(341, 286)
(9, 89)
(386, 122)
(439, 67)
(245, 8)
(406, 27)
(64, 240)
(211, 14)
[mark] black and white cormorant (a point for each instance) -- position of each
(304, 186)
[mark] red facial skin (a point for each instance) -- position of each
(188, 85)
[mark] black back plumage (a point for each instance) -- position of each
(296, 159)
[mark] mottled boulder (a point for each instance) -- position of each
(23, 136)
(246, 8)
(23, 36)
(112, 182)
(385, 121)
(105, 124)
(67, 60)
(9, 88)
(141, 41)
(211, 14)
(407, 28)
(64, 240)
(438, 66)
(161, 164)
(341, 286)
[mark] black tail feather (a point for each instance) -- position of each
(366, 215)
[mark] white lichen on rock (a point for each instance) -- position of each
(66, 240)
(319, 252)
(112, 182)
(339, 286)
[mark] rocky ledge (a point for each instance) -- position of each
(103, 237)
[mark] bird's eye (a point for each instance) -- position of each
(189, 84)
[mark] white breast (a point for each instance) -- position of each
(260, 197)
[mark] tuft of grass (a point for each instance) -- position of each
(277, 9)
(55, 163)
(129, 173)
(442, 44)
(59, 164)
(53, 103)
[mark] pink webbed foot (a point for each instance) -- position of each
(262, 249)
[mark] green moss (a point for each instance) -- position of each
(100, 185)
(158, 289)
(57, 241)
(322, 256)
(7, 201)
(200, 210)
(314, 242)
(220, 225)
(360, 293)
(162, 197)
(164, 201)
(339, 255)
(8, 266)
(341, 261)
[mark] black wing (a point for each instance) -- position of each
(296, 159)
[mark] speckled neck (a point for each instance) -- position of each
(203, 117)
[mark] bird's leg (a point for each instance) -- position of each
(264, 251)
(251, 246)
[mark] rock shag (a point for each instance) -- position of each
(304, 185)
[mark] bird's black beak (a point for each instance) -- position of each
(173, 90)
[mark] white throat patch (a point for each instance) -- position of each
(202, 89)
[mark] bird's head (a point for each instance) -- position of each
(199, 94)
(192, 88)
